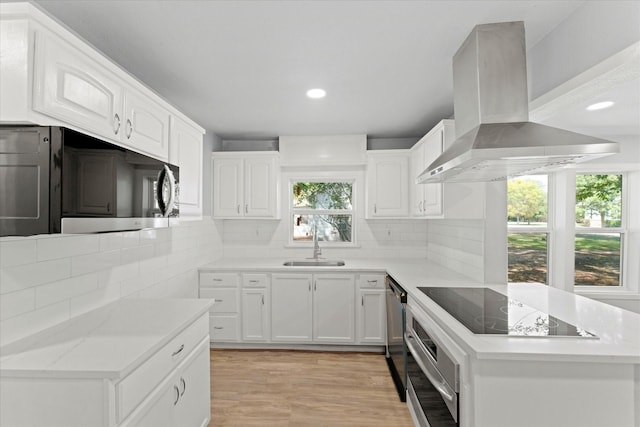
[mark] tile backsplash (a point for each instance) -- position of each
(47, 279)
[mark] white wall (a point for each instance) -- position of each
(457, 244)
(47, 279)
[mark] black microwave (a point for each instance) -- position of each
(57, 180)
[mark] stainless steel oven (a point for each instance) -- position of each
(432, 375)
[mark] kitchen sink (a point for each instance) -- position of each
(314, 263)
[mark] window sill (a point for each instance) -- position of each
(609, 294)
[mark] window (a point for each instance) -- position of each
(326, 206)
(527, 199)
(599, 230)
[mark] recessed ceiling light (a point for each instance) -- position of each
(316, 93)
(600, 105)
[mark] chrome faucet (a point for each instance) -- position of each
(316, 247)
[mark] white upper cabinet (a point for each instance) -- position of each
(72, 87)
(388, 183)
(245, 185)
(438, 200)
(186, 152)
(146, 125)
(52, 77)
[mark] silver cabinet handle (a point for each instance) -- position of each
(116, 120)
(262, 299)
(246, 209)
(375, 208)
(183, 383)
(218, 300)
(309, 285)
(372, 281)
(109, 207)
(217, 279)
(315, 285)
(129, 129)
(218, 327)
(362, 300)
(178, 351)
(254, 281)
(175, 388)
(238, 208)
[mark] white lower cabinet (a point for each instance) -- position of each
(313, 308)
(291, 307)
(183, 398)
(224, 320)
(296, 308)
(333, 308)
(169, 387)
(371, 317)
(255, 307)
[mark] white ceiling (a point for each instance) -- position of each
(241, 68)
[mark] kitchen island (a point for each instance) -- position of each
(519, 381)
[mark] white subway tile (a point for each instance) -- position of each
(110, 241)
(17, 252)
(66, 246)
(26, 324)
(131, 286)
(137, 253)
(25, 276)
(94, 262)
(100, 297)
(118, 273)
(65, 289)
(130, 238)
(16, 303)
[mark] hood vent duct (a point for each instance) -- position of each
(495, 139)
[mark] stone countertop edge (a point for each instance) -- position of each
(109, 342)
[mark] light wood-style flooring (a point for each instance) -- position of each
(303, 388)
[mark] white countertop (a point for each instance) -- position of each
(105, 343)
(617, 330)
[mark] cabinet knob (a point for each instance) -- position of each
(116, 124)
(129, 128)
(183, 383)
(175, 388)
(178, 351)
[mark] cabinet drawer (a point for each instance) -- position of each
(219, 279)
(137, 385)
(255, 280)
(224, 328)
(371, 281)
(227, 299)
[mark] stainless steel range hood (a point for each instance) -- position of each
(495, 139)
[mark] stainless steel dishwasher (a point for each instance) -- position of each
(396, 346)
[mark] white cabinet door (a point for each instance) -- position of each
(227, 187)
(186, 142)
(255, 316)
(291, 308)
(371, 316)
(245, 186)
(417, 167)
(194, 406)
(333, 308)
(259, 185)
(72, 87)
(388, 184)
(433, 145)
(146, 125)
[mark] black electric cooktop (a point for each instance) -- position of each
(485, 311)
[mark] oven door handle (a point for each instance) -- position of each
(438, 383)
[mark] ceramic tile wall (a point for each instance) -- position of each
(374, 239)
(457, 245)
(48, 279)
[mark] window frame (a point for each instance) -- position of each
(293, 211)
(537, 229)
(622, 230)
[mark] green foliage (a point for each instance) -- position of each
(322, 195)
(525, 200)
(600, 194)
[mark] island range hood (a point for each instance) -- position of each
(495, 139)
